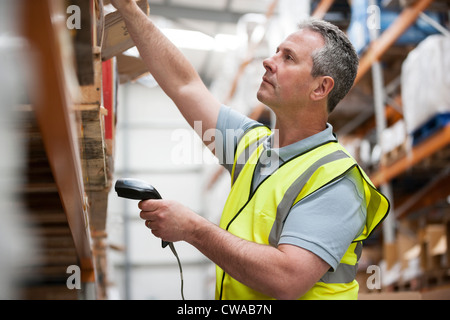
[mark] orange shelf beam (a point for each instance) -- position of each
(425, 149)
(379, 47)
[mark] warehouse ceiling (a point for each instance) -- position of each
(219, 11)
(218, 36)
(219, 21)
(230, 11)
(216, 21)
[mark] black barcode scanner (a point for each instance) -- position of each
(141, 190)
(137, 190)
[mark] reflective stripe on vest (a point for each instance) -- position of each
(246, 147)
(285, 205)
(272, 201)
(344, 273)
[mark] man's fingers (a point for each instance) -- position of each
(154, 229)
(148, 205)
(151, 209)
(147, 215)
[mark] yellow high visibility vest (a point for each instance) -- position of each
(258, 216)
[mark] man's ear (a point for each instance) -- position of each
(324, 85)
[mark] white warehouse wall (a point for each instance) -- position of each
(155, 143)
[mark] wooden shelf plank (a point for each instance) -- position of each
(53, 104)
(116, 37)
(130, 68)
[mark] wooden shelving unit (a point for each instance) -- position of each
(52, 107)
(69, 127)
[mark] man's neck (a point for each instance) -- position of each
(290, 129)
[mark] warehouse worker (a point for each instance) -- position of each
(299, 206)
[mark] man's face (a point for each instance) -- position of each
(288, 81)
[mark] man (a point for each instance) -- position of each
(293, 223)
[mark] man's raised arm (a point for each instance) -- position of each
(170, 68)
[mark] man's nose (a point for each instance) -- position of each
(269, 64)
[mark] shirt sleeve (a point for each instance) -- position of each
(231, 126)
(327, 221)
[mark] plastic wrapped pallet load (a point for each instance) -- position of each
(425, 82)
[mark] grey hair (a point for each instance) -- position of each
(337, 59)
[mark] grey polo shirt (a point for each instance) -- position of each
(325, 222)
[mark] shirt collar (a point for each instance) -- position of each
(299, 147)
